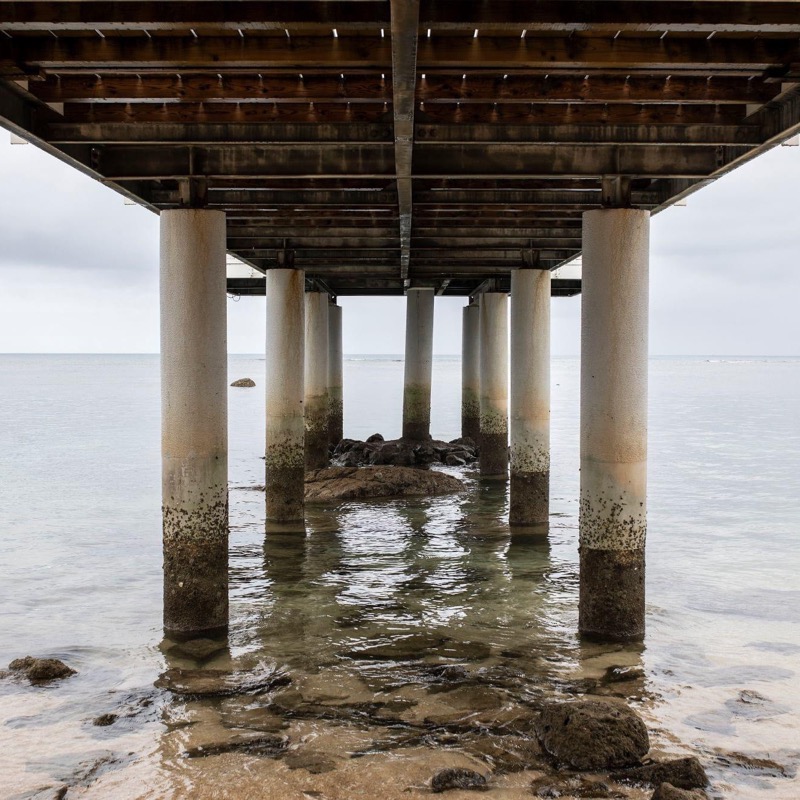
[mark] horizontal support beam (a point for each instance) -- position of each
(546, 15)
(486, 52)
(123, 162)
(364, 133)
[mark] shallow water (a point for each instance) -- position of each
(364, 608)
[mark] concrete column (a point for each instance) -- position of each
(530, 397)
(471, 372)
(316, 380)
(613, 423)
(336, 409)
(285, 430)
(418, 365)
(194, 422)
(494, 385)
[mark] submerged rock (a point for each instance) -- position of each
(682, 773)
(592, 735)
(104, 720)
(571, 786)
(313, 761)
(247, 383)
(252, 745)
(41, 670)
(617, 674)
(669, 792)
(361, 483)
(219, 683)
(458, 778)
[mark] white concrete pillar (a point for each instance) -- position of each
(614, 423)
(418, 365)
(316, 380)
(494, 385)
(471, 372)
(530, 397)
(285, 429)
(335, 375)
(194, 422)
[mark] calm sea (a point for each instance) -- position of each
(80, 566)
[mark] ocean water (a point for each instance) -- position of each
(431, 582)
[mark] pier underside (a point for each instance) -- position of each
(379, 145)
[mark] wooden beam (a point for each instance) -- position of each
(247, 15)
(509, 88)
(405, 24)
(461, 53)
(163, 88)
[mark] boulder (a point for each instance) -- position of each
(682, 773)
(246, 383)
(362, 483)
(669, 792)
(376, 437)
(447, 779)
(403, 452)
(592, 735)
(41, 670)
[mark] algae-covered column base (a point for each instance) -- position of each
(335, 394)
(418, 365)
(613, 512)
(494, 385)
(317, 403)
(194, 424)
(470, 372)
(285, 436)
(530, 397)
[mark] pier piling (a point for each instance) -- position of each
(470, 372)
(317, 403)
(614, 423)
(335, 374)
(494, 385)
(194, 423)
(285, 431)
(530, 397)
(418, 365)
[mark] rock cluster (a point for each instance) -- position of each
(404, 452)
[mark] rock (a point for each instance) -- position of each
(361, 483)
(403, 648)
(452, 460)
(313, 761)
(219, 683)
(41, 670)
(261, 745)
(571, 786)
(617, 674)
(682, 773)
(669, 792)
(104, 720)
(247, 383)
(376, 437)
(447, 779)
(465, 441)
(592, 735)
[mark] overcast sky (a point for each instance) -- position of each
(79, 271)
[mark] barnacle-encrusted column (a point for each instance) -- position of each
(418, 365)
(316, 380)
(285, 435)
(471, 372)
(336, 410)
(194, 422)
(530, 397)
(614, 423)
(494, 385)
